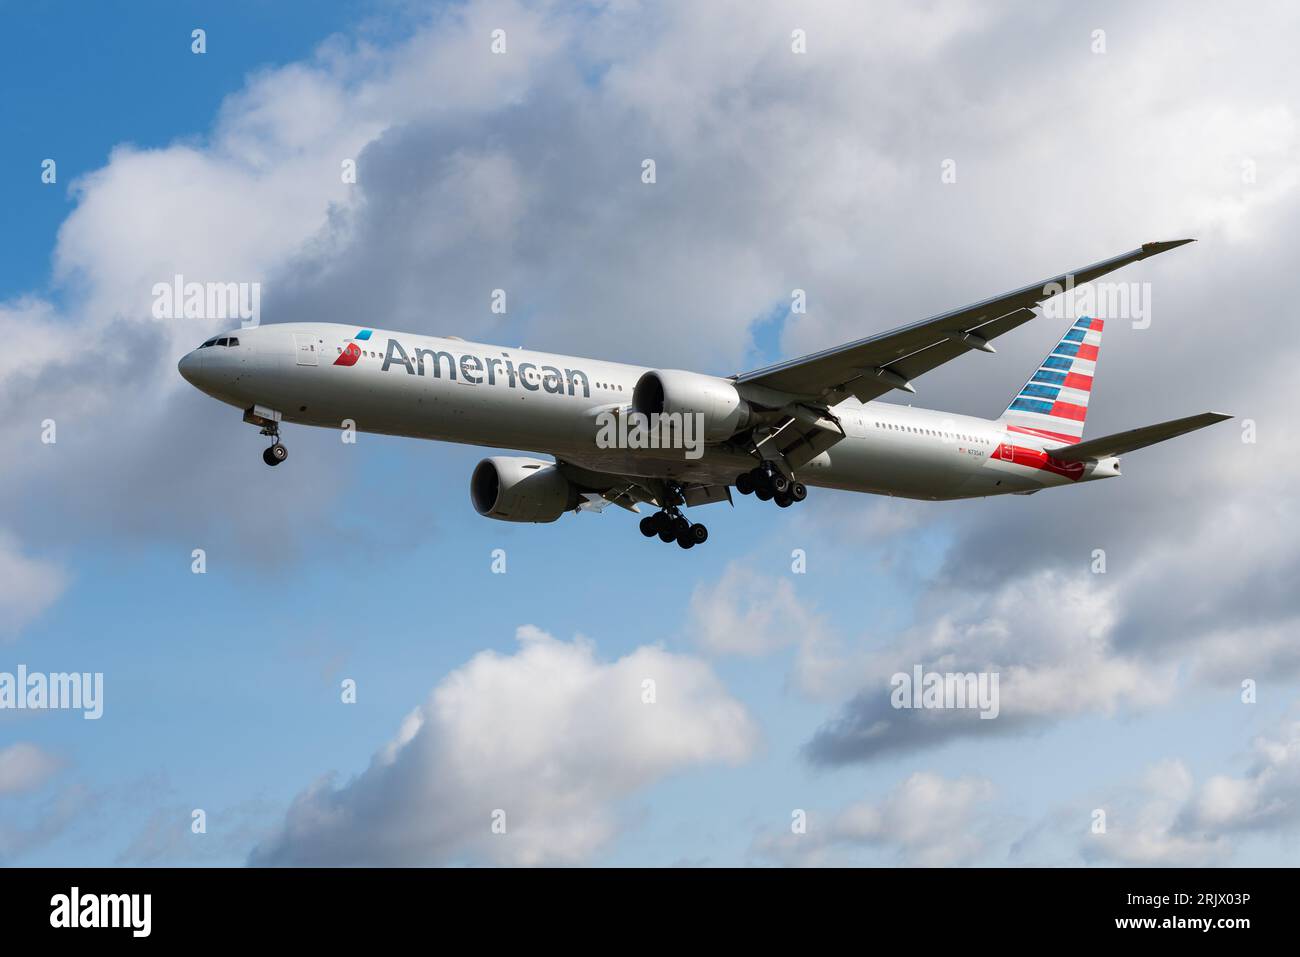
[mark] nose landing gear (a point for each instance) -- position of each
(767, 483)
(276, 454)
(268, 421)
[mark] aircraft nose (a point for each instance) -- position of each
(189, 366)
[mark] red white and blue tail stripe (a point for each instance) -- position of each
(1053, 404)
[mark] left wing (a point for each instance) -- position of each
(602, 489)
(868, 368)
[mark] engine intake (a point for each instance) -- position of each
(517, 489)
(673, 391)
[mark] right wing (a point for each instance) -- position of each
(1133, 439)
(868, 368)
(804, 390)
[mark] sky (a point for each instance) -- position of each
(913, 158)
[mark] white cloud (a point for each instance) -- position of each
(1169, 820)
(1142, 826)
(25, 767)
(745, 613)
(28, 586)
(927, 820)
(749, 614)
(550, 735)
(1047, 637)
(1267, 797)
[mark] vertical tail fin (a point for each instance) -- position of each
(1053, 404)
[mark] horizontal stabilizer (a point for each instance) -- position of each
(1122, 442)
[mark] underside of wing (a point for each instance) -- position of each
(804, 433)
(871, 367)
(601, 489)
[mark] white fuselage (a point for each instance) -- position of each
(477, 394)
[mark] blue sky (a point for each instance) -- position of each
(367, 561)
(133, 80)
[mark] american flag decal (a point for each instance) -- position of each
(1053, 404)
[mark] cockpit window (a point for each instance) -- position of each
(210, 342)
(233, 341)
(220, 341)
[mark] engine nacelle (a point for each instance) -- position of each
(515, 489)
(689, 393)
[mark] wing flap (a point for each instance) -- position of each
(872, 385)
(1134, 439)
(802, 438)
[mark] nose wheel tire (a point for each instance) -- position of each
(275, 454)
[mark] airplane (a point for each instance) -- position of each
(772, 432)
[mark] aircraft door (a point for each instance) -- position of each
(305, 348)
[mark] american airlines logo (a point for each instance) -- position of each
(473, 369)
(352, 352)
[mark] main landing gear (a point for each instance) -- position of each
(767, 483)
(671, 526)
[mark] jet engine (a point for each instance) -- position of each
(517, 489)
(688, 393)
